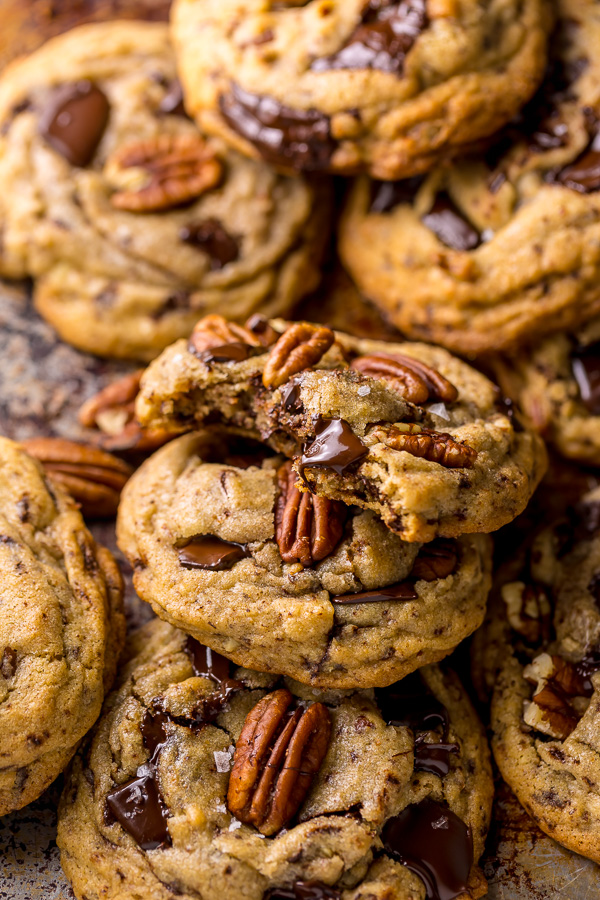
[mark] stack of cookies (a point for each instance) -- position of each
(307, 506)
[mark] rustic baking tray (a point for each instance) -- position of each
(42, 384)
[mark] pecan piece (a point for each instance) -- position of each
(161, 173)
(299, 347)
(435, 446)
(415, 381)
(277, 755)
(307, 528)
(112, 411)
(528, 610)
(93, 477)
(435, 560)
(552, 709)
(216, 333)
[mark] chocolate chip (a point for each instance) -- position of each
(386, 195)
(139, 809)
(450, 226)
(8, 662)
(583, 175)
(207, 551)
(402, 591)
(210, 237)
(334, 447)
(585, 365)
(382, 40)
(298, 139)
(431, 841)
(74, 121)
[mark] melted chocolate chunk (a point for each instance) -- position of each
(431, 841)
(450, 226)
(207, 663)
(234, 352)
(299, 139)
(210, 237)
(304, 890)
(207, 551)
(585, 364)
(154, 733)
(290, 397)
(382, 40)
(335, 447)
(402, 591)
(172, 103)
(75, 120)
(587, 667)
(583, 175)
(433, 757)
(138, 808)
(386, 195)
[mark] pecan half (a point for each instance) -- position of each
(277, 755)
(299, 347)
(435, 560)
(415, 381)
(93, 477)
(308, 528)
(161, 173)
(215, 331)
(435, 446)
(112, 411)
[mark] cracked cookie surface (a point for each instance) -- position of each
(433, 452)
(165, 731)
(345, 86)
(501, 246)
(131, 222)
(325, 594)
(61, 628)
(540, 654)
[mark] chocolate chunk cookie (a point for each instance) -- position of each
(556, 383)
(503, 246)
(61, 628)
(132, 222)
(543, 657)
(206, 780)
(228, 549)
(385, 87)
(406, 430)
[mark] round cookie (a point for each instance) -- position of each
(132, 223)
(504, 245)
(556, 383)
(388, 87)
(406, 430)
(544, 662)
(61, 628)
(390, 792)
(285, 583)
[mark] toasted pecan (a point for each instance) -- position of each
(301, 346)
(417, 382)
(308, 528)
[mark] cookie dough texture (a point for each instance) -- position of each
(126, 283)
(368, 768)
(61, 628)
(329, 86)
(553, 382)
(279, 616)
(416, 497)
(504, 245)
(555, 775)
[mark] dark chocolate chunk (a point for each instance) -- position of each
(335, 447)
(304, 890)
(386, 195)
(234, 352)
(74, 121)
(210, 237)
(433, 757)
(154, 734)
(431, 841)
(585, 364)
(382, 40)
(290, 397)
(402, 591)
(172, 103)
(408, 703)
(207, 551)
(450, 226)
(139, 809)
(298, 139)
(583, 175)
(586, 668)
(207, 663)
